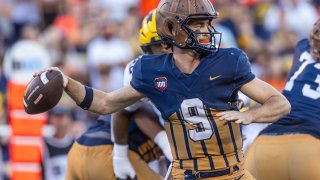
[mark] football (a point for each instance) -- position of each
(43, 92)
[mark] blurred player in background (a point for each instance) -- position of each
(95, 156)
(91, 155)
(290, 147)
(56, 148)
(196, 90)
(150, 44)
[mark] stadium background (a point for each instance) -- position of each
(92, 40)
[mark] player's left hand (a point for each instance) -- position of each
(122, 166)
(235, 116)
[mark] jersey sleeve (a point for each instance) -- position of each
(301, 46)
(243, 71)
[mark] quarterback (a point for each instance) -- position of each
(94, 155)
(195, 88)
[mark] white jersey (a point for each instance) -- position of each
(126, 81)
(55, 157)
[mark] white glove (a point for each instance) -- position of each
(161, 139)
(121, 164)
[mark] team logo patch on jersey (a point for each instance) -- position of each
(161, 83)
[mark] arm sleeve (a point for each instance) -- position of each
(243, 73)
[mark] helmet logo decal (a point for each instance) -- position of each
(161, 83)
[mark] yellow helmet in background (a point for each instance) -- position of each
(148, 33)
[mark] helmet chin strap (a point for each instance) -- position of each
(202, 53)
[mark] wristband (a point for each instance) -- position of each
(88, 98)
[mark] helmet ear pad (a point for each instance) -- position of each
(182, 36)
(175, 32)
(169, 27)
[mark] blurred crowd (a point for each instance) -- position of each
(93, 40)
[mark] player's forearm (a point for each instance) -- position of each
(101, 102)
(120, 127)
(147, 122)
(77, 92)
(272, 110)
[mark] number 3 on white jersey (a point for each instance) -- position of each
(199, 118)
(307, 59)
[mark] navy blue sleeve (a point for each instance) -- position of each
(302, 45)
(243, 73)
(137, 77)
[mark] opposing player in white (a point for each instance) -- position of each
(150, 44)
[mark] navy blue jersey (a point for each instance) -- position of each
(100, 134)
(189, 104)
(303, 92)
(97, 134)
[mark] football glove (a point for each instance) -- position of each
(121, 164)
